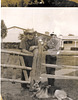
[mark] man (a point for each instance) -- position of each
(28, 41)
(52, 47)
(28, 44)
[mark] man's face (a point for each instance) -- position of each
(30, 36)
(54, 36)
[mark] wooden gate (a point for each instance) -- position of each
(14, 60)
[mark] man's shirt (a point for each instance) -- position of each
(26, 44)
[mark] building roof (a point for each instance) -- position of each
(14, 31)
(16, 27)
(27, 30)
(74, 38)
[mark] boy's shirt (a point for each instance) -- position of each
(53, 46)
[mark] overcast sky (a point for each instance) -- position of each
(58, 20)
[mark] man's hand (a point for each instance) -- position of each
(25, 51)
(33, 47)
(45, 48)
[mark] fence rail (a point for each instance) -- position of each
(41, 65)
(59, 66)
(14, 81)
(59, 76)
(11, 61)
(17, 53)
(16, 66)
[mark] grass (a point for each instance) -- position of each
(11, 91)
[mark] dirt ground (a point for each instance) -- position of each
(11, 91)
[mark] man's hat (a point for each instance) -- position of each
(53, 34)
(29, 31)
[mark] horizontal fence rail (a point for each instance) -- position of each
(68, 53)
(59, 66)
(16, 66)
(14, 81)
(17, 53)
(59, 76)
(39, 65)
(63, 53)
(14, 58)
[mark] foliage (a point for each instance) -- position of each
(3, 29)
(14, 3)
(11, 45)
(21, 36)
(71, 35)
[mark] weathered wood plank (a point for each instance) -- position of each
(34, 64)
(43, 67)
(14, 81)
(39, 60)
(59, 76)
(24, 71)
(18, 53)
(15, 66)
(65, 53)
(59, 66)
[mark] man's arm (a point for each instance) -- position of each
(32, 48)
(24, 51)
(23, 46)
(53, 44)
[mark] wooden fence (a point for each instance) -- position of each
(64, 69)
(9, 61)
(12, 59)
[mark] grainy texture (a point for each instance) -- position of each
(11, 91)
(36, 3)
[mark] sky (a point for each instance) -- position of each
(62, 21)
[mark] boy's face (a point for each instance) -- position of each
(30, 36)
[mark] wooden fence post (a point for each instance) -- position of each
(24, 70)
(39, 60)
(36, 66)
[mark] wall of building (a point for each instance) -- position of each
(68, 46)
(13, 35)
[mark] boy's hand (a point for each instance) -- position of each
(45, 48)
(33, 47)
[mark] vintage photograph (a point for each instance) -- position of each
(39, 53)
(39, 3)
